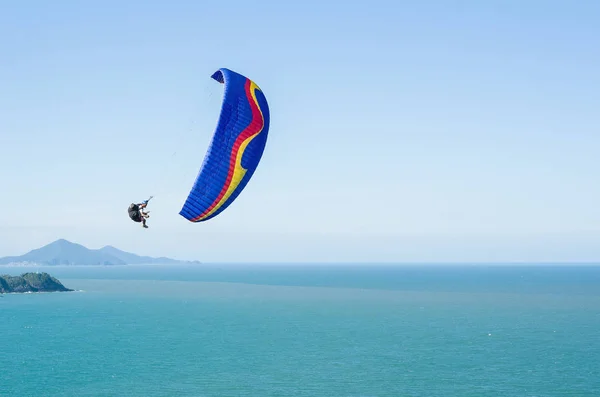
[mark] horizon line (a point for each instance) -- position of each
(355, 263)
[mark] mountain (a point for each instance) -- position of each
(133, 259)
(63, 252)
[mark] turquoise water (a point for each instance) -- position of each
(305, 331)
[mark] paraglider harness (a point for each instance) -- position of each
(134, 211)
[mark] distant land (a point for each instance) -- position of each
(62, 252)
(30, 282)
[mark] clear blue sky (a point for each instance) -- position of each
(400, 131)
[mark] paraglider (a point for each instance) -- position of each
(137, 213)
(235, 150)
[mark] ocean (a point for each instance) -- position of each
(305, 330)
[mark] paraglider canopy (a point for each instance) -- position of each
(235, 150)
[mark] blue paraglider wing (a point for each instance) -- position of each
(235, 150)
